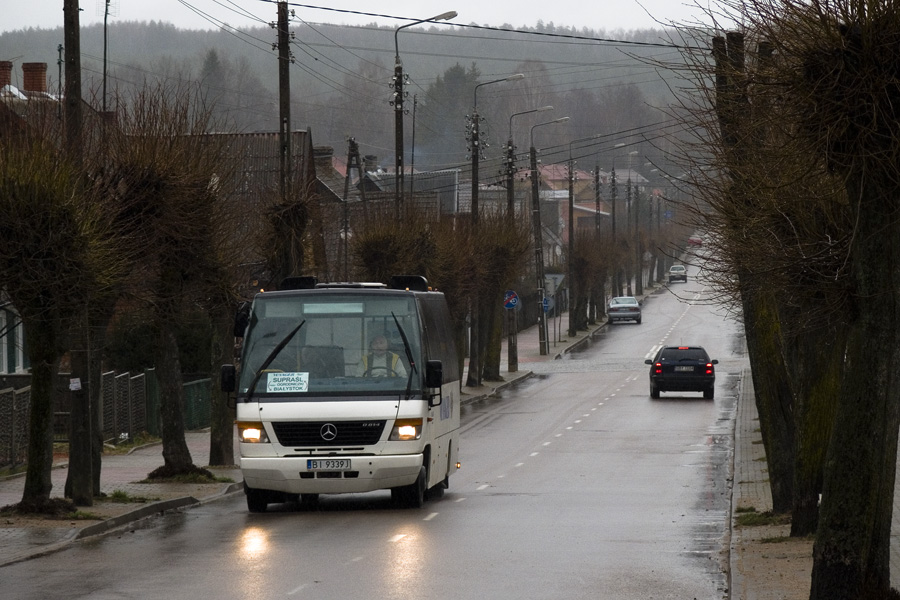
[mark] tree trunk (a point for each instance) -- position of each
(815, 358)
(41, 341)
(773, 392)
(492, 325)
(221, 432)
(168, 367)
(852, 548)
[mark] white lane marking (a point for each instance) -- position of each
(460, 499)
(397, 537)
(430, 517)
(297, 589)
(547, 443)
(520, 464)
(481, 487)
(534, 454)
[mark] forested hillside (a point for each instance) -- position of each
(341, 74)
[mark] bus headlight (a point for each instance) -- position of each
(252, 432)
(406, 429)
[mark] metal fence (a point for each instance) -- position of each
(130, 405)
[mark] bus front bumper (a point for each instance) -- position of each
(293, 475)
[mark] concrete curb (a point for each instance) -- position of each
(155, 508)
(135, 515)
(734, 579)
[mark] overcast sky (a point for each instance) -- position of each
(206, 14)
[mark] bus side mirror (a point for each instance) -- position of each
(434, 374)
(227, 378)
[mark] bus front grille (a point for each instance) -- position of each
(328, 433)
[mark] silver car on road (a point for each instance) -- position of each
(624, 308)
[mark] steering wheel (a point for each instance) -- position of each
(388, 372)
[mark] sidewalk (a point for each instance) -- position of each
(760, 570)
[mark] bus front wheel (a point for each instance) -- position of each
(412, 495)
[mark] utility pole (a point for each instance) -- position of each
(105, 48)
(79, 482)
(397, 103)
(510, 180)
(638, 244)
(538, 251)
(598, 309)
(475, 359)
(629, 212)
(284, 100)
(538, 238)
(573, 317)
(397, 84)
(412, 160)
(613, 192)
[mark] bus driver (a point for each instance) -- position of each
(379, 362)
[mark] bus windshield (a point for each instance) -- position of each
(344, 344)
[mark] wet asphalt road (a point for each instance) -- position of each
(573, 485)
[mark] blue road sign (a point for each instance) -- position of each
(546, 304)
(510, 299)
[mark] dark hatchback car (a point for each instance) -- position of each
(682, 369)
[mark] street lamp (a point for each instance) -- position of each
(631, 202)
(512, 347)
(476, 142)
(511, 161)
(397, 103)
(474, 376)
(538, 242)
(573, 320)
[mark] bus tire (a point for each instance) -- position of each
(412, 495)
(257, 500)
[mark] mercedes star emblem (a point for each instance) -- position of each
(328, 432)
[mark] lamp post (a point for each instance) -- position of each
(573, 319)
(476, 141)
(613, 193)
(538, 242)
(512, 346)
(511, 161)
(474, 375)
(397, 103)
(632, 205)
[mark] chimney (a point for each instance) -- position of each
(5, 73)
(370, 163)
(322, 156)
(35, 75)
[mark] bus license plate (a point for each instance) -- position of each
(328, 464)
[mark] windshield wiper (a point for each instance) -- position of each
(270, 358)
(406, 347)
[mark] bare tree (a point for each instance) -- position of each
(57, 251)
(829, 93)
(171, 170)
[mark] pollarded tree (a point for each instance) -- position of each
(58, 250)
(833, 75)
(172, 171)
(501, 248)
